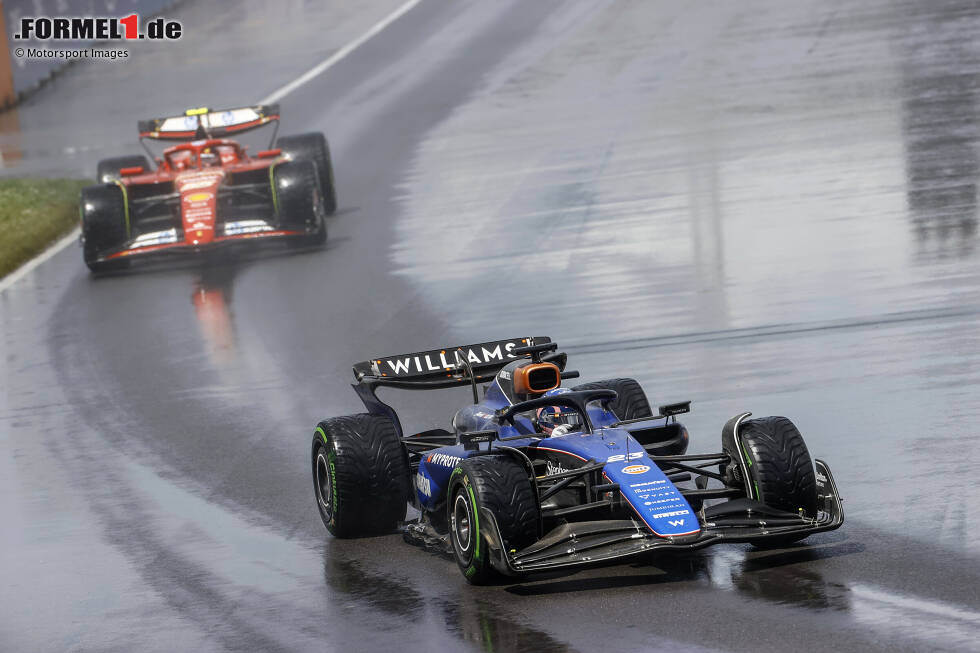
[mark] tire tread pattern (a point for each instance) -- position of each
(371, 474)
(503, 487)
(630, 403)
(103, 213)
(313, 147)
(294, 179)
(781, 466)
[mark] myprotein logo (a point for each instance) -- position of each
(444, 460)
(127, 28)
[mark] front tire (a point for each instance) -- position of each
(104, 225)
(778, 465)
(360, 475)
(499, 485)
(299, 202)
(313, 147)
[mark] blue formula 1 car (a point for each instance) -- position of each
(534, 476)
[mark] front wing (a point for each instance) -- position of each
(245, 213)
(173, 245)
(591, 543)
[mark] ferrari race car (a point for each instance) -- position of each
(206, 190)
(536, 477)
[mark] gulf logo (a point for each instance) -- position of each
(636, 469)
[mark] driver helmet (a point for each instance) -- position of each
(227, 153)
(557, 420)
(209, 158)
(181, 160)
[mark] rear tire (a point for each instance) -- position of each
(299, 201)
(500, 485)
(104, 228)
(779, 467)
(313, 147)
(630, 402)
(108, 169)
(360, 475)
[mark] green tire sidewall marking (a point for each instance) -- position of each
(748, 462)
(471, 570)
(332, 462)
(272, 184)
(125, 195)
(323, 435)
(476, 524)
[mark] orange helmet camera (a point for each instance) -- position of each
(536, 378)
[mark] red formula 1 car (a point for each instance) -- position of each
(207, 191)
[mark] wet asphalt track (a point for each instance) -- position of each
(762, 206)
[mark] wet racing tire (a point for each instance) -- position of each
(104, 228)
(108, 169)
(313, 147)
(499, 485)
(779, 466)
(299, 202)
(630, 402)
(360, 475)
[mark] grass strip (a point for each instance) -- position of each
(33, 214)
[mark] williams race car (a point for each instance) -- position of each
(536, 477)
(207, 191)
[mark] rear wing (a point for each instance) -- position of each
(440, 368)
(201, 123)
(443, 368)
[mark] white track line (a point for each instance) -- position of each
(320, 68)
(927, 606)
(19, 273)
(276, 95)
